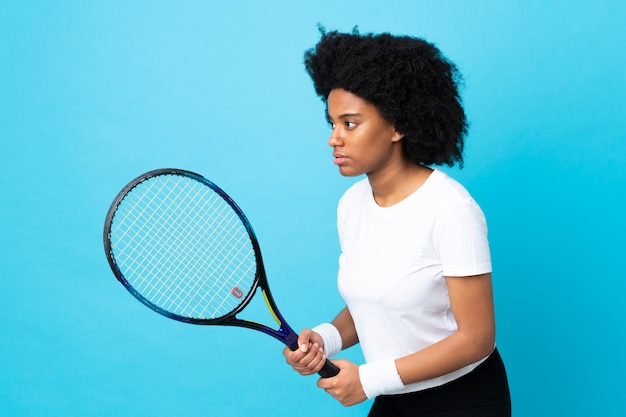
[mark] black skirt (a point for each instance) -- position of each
(484, 392)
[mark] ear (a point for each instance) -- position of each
(397, 136)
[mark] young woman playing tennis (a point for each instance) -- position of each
(415, 266)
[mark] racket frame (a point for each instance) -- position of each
(284, 333)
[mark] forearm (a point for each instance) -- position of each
(345, 325)
(450, 354)
(338, 335)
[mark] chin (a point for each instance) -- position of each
(348, 173)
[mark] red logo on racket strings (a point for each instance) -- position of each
(236, 292)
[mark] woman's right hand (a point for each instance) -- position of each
(309, 358)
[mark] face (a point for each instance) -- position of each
(362, 141)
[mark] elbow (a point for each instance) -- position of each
(486, 347)
(479, 344)
(485, 342)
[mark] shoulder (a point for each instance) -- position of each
(449, 198)
(447, 188)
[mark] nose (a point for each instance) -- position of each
(335, 139)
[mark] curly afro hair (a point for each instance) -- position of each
(413, 86)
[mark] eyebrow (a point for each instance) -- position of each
(343, 116)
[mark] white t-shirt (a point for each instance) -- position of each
(394, 261)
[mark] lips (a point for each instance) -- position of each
(339, 158)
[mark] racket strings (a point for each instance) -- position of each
(181, 262)
(176, 295)
(182, 247)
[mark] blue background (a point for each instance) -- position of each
(94, 93)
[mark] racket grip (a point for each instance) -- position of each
(328, 370)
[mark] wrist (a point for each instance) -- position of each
(378, 378)
(331, 337)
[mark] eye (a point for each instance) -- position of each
(349, 124)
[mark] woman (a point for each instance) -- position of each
(415, 267)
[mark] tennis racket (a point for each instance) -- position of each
(183, 247)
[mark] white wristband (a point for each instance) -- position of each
(331, 337)
(379, 378)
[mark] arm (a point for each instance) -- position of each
(471, 299)
(345, 325)
(472, 304)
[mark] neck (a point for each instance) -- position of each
(397, 183)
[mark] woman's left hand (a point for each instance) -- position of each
(346, 386)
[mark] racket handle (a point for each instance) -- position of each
(328, 370)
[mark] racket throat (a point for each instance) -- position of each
(285, 333)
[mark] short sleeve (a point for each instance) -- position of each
(461, 240)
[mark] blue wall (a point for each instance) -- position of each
(94, 93)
